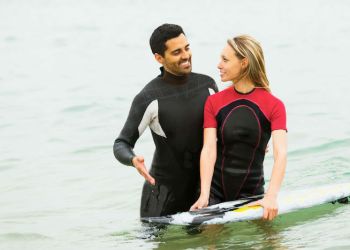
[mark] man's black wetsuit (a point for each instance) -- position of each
(172, 106)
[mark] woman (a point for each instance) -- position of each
(238, 123)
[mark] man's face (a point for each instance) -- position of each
(177, 56)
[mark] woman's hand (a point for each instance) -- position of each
(200, 203)
(269, 203)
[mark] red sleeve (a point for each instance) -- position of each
(279, 117)
(209, 115)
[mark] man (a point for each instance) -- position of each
(172, 106)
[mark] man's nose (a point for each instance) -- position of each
(185, 55)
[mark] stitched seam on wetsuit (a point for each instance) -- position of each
(220, 117)
(223, 151)
(256, 147)
(257, 185)
(238, 99)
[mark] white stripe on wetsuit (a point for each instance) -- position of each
(211, 91)
(150, 118)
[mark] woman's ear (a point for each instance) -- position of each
(244, 63)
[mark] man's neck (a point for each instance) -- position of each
(171, 78)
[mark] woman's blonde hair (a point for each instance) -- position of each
(247, 47)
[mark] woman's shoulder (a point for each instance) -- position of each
(269, 96)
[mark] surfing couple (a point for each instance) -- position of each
(227, 158)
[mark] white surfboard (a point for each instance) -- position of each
(233, 211)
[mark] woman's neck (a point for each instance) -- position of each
(244, 86)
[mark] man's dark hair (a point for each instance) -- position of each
(162, 34)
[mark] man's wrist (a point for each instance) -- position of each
(131, 160)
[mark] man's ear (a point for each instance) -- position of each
(159, 58)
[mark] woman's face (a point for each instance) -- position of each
(230, 65)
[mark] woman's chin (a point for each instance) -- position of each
(224, 79)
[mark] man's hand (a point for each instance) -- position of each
(139, 164)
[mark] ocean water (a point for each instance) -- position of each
(68, 73)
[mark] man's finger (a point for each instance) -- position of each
(148, 177)
(152, 181)
(144, 172)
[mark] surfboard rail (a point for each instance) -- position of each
(239, 210)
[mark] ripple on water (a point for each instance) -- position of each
(23, 236)
(10, 39)
(78, 108)
(93, 149)
(77, 88)
(87, 28)
(60, 42)
(335, 144)
(5, 125)
(55, 140)
(9, 163)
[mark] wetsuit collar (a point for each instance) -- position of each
(171, 78)
(241, 93)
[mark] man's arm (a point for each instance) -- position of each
(123, 152)
(124, 144)
(138, 119)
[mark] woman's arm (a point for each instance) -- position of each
(269, 202)
(207, 162)
(279, 140)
